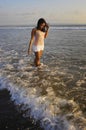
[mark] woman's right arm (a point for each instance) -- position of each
(31, 41)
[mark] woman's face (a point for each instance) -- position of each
(42, 26)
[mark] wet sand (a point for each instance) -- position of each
(10, 118)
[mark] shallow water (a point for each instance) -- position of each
(55, 94)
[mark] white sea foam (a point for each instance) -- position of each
(69, 27)
(46, 108)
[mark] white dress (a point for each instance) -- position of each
(38, 43)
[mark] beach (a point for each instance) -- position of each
(11, 118)
(52, 97)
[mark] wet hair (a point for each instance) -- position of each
(41, 21)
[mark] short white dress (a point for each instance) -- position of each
(38, 43)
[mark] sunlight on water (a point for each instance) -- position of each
(55, 94)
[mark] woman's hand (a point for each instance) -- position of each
(47, 26)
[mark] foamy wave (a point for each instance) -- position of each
(16, 27)
(49, 109)
(69, 27)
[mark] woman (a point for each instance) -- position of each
(38, 35)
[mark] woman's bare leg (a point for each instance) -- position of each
(41, 52)
(37, 57)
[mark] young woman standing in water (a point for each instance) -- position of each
(38, 35)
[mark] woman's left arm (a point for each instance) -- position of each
(46, 32)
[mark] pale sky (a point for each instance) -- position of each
(25, 12)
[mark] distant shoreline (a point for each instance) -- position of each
(57, 25)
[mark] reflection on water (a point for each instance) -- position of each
(55, 94)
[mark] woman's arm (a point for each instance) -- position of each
(31, 41)
(46, 32)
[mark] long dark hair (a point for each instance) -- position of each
(41, 21)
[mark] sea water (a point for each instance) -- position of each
(55, 94)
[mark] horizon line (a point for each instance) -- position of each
(52, 24)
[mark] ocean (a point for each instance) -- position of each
(54, 95)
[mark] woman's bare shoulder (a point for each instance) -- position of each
(34, 30)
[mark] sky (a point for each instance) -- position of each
(25, 12)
